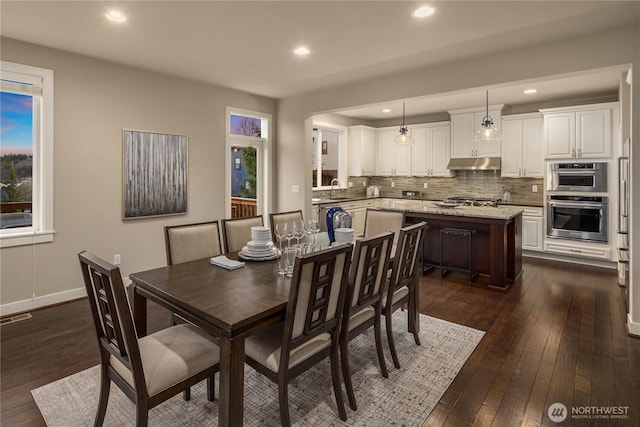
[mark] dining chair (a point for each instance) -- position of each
(151, 369)
(189, 242)
(402, 287)
(363, 306)
(283, 218)
(237, 232)
(310, 330)
(378, 221)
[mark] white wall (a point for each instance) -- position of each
(94, 101)
(611, 48)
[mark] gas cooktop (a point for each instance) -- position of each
(473, 201)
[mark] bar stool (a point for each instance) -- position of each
(447, 235)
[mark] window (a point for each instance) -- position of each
(26, 155)
(329, 156)
(247, 171)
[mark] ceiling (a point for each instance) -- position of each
(247, 45)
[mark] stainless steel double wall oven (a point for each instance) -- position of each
(573, 210)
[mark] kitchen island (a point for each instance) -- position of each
(496, 240)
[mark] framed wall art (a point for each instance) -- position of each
(155, 174)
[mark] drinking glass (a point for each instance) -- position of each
(282, 264)
(289, 232)
(308, 231)
(280, 233)
(290, 255)
(298, 227)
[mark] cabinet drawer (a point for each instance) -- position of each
(531, 211)
(575, 250)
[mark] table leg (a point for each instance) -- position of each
(231, 403)
(139, 312)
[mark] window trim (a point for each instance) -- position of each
(42, 230)
(343, 142)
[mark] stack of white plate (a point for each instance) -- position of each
(343, 235)
(260, 248)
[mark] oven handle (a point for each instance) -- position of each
(575, 205)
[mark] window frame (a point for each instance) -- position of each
(343, 146)
(41, 230)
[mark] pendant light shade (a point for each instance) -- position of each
(403, 137)
(488, 131)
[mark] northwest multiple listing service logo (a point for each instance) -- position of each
(557, 412)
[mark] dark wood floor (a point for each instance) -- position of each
(558, 335)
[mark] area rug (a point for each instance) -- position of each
(405, 398)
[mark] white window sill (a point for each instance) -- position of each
(28, 238)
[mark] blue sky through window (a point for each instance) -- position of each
(16, 123)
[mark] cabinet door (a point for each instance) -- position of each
(511, 148)
(385, 162)
(440, 149)
(532, 148)
(560, 135)
(487, 148)
(421, 152)
(532, 233)
(357, 221)
(593, 133)
(368, 152)
(402, 159)
(462, 135)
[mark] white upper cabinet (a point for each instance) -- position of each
(392, 159)
(579, 132)
(362, 151)
(464, 125)
(431, 149)
(522, 146)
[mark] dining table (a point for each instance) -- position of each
(229, 304)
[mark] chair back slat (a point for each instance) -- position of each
(189, 242)
(110, 309)
(317, 296)
(409, 246)
(369, 268)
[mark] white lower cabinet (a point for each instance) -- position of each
(532, 229)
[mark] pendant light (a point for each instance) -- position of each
(488, 131)
(403, 137)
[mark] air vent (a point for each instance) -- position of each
(16, 318)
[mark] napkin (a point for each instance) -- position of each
(224, 262)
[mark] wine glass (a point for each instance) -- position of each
(316, 230)
(280, 232)
(298, 227)
(308, 229)
(289, 232)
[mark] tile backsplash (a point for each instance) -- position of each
(464, 183)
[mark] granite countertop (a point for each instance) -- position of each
(498, 212)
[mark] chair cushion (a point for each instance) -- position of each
(360, 317)
(265, 347)
(194, 242)
(238, 232)
(397, 295)
(172, 355)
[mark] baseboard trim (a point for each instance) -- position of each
(633, 328)
(43, 301)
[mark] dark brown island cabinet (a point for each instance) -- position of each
(483, 242)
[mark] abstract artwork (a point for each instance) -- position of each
(155, 174)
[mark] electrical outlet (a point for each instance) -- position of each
(350, 184)
(534, 188)
(426, 185)
(364, 183)
(393, 184)
(295, 188)
(116, 259)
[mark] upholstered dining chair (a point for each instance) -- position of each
(283, 218)
(402, 287)
(237, 232)
(189, 242)
(363, 306)
(378, 221)
(148, 370)
(310, 330)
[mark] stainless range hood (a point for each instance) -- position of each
(475, 164)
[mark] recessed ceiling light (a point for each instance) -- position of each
(116, 16)
(302, 51)
(530, 91)
(386, 110)
(423, 12)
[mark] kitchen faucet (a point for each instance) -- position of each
(332, 182)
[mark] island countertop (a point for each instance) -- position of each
(498, 212)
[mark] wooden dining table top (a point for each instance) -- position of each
(226, 302)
